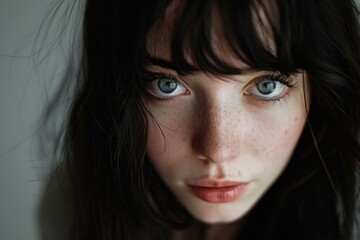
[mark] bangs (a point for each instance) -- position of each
(227, 37)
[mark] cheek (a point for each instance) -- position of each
(167, 146)
(156, 140)
(274, 136)
(279, 129)
(165, 134)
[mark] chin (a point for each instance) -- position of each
(219, 221)
(217, 215)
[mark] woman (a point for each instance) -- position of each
(216, 120)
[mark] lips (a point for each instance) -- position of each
(217, 191)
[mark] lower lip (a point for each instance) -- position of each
(218, 194)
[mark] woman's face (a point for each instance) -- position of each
(219, 143)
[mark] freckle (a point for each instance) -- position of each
(286, 132)
(296, 119)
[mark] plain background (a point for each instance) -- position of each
(32, 65)
(33, 57)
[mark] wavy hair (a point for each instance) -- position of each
(118, 194)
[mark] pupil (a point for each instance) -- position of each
(167, 85)
(266, 87)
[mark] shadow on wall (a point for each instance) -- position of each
(62, 30)
(55, 209)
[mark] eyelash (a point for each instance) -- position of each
(285, 79)
(151, 76)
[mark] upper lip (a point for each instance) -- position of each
(215, 183)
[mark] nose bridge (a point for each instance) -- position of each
(216, 137)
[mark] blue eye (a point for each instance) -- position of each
(270, 87)
(266, 87)
(167, 85)
(163, 86)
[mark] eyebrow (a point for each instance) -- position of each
(170, 65)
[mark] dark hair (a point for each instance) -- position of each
(118, 195)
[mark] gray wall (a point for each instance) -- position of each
(27, 82)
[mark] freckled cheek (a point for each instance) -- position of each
(273, 140)
(291, 132)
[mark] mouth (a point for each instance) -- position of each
(217, 191)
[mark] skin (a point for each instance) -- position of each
(223, 128)
(218, 130)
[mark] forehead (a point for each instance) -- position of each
(211, 31)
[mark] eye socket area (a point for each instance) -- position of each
(266, 87)
(165, 86)
(270, 87)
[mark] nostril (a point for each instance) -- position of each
(201, 157)
(214, 152)
(216, 141)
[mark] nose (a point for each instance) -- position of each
(217, 131)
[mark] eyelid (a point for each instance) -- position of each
(287, 81)
(150, 77)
